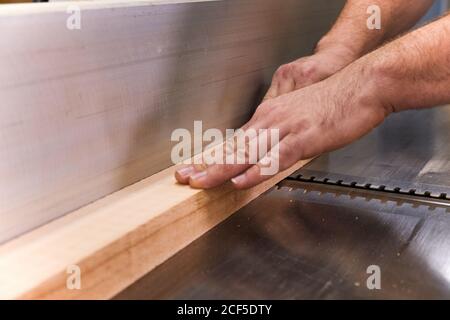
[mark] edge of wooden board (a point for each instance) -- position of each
(117, 239)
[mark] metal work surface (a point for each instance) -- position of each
(315, 244)
(409, 153)
(316, 239)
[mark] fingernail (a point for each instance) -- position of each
(185, 172)
(239, 179)
(198, 175)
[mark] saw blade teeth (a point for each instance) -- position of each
(435, 195)
(373, 184)
(389, 188)
(396, 198)
(346, 183)
(419, 193)
(331, 181)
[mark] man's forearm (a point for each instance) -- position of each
(414, 70)
(351, 36)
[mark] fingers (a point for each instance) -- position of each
(212, 174)
(281, 84)
(293, 76)
(216, 175)
(280, 87)
(184, 173)
(221, 163)
(239, 154)
(272, 92)
(234, 157)
(280, 157)
(286, 85)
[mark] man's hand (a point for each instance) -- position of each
(313, 120)
(309, 70)
(348, 40)
(410, 72)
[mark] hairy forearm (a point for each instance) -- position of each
(414, 70)
(350, 35)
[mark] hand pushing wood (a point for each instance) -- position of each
(318, 109)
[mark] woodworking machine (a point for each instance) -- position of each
(382, 201)
(85, 113)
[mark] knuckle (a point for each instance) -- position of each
(264, 108)
(301, 126)
(309, 69)
(287, 152)
(285, 71)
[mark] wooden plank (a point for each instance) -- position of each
(117, 239)
(86, 112)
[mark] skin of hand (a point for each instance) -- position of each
(347, 41)
(311, 121)
(309, 70)
(410, 72)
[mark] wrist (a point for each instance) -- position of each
(375, 86)
(346, 53)
(366, 87)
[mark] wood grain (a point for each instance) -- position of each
(86, 112)
(117, 239)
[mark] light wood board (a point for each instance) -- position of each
(117, 239)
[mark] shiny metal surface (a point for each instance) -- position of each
(312, 241)
(410, 151)
(97, 112)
